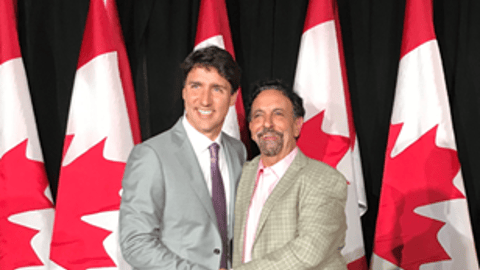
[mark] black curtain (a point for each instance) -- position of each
(266, 36)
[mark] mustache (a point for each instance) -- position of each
(269, 130)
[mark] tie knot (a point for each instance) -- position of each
(214, 150)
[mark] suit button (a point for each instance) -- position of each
(216, 251)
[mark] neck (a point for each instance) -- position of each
(269, 161)
(272, 160)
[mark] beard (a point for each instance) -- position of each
(267, 147)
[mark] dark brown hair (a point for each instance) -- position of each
(217, 58)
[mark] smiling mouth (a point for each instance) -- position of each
(269, 137)
(269, 134)
(205, 112)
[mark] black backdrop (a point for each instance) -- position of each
(266, 36)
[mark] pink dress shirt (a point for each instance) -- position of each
(267, 179)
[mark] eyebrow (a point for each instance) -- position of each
(262, 110)
(256, 110)
(193, 82)
(221, 86)
(200, 83)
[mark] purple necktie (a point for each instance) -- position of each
(218, 199)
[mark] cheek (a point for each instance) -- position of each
(188, 96)
(279, 124)
(253, 131)
(188, 103)
(222, 101)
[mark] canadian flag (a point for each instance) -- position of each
(328, 133)
(213, 29)
(423, 220)
(101, 130)
(26, 207)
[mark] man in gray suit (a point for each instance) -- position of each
(290, 209)
(179, 187)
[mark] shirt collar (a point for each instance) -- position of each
(280, 167)
(199, 141)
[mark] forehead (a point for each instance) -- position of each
(206, 74)
(202, 69)
(271, 99)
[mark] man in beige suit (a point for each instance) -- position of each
(289, 210)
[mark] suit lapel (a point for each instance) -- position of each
(231, 158)
(186, 157)
(246, 187)
(284, 184)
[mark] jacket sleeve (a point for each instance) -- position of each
(141, 211)
(321, 230)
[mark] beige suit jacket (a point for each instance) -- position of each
(302, 224)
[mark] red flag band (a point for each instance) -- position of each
(101, 130)
(328, 133)
(26, 208)
(423, 218)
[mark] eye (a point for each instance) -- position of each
(218, 89)
(194, 85)
(255, 115)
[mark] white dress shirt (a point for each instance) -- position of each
(267, 179)
(200, 145)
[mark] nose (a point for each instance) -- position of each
(206, 97)
(268, 121)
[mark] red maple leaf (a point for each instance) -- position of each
(22, 185)
(420, 175)
(88, 185)
(358, 264)
(317, 144)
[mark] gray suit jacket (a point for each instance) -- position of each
(302, 224)
(167, 220)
